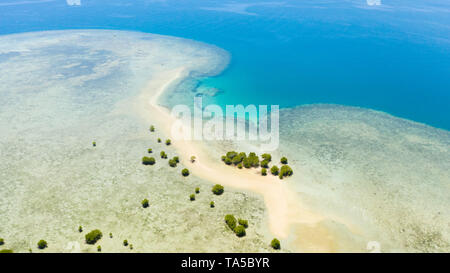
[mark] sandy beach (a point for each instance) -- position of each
(284, 209)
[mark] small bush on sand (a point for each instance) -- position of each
(93, 236)
(275, 244)
(168, 142)
(42, 244)
(274, 170)
(238, 158)
(230, 221)
(265, 164)
(2, 241)
(243, 222)
(94, 144)
(240, 166)
(193, 158)
(254, 160)
(263, 171)
(150, 151)
(172, 163)
(228, 161)
(159, 140)
(283, 160)
(211, 204)
(240, 231)
(99, 249)
(148, 160)
(152, 128)
(80, 229)
(6, 251)
(231, 154)
(192, 197)
(185, 172)
(177, 159)
(217, 189)
(197, 190)
(145, 203)
(267, 157)
(163, 155)
(125, 242)
(246, 163)
(285, 170)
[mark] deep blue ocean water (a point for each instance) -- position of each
(393, 57)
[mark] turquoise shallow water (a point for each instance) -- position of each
(393, 57)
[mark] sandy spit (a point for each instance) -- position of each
(284, 209)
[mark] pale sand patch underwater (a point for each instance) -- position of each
(388, 176)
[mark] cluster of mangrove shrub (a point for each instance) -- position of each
(282, 172)
(232, 223)
(252, 161)
(217, 189)
(174, 161)
(42, 244)
(148, 160)
(275, 244)
(168, 142)
(163, 155)
(241, 159)
(93, 236)
(184, 172)
(285, 170)
(145, 203)
(266, 159)
(230, 220)
(6, 251)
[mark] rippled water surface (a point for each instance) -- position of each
(392, 56)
